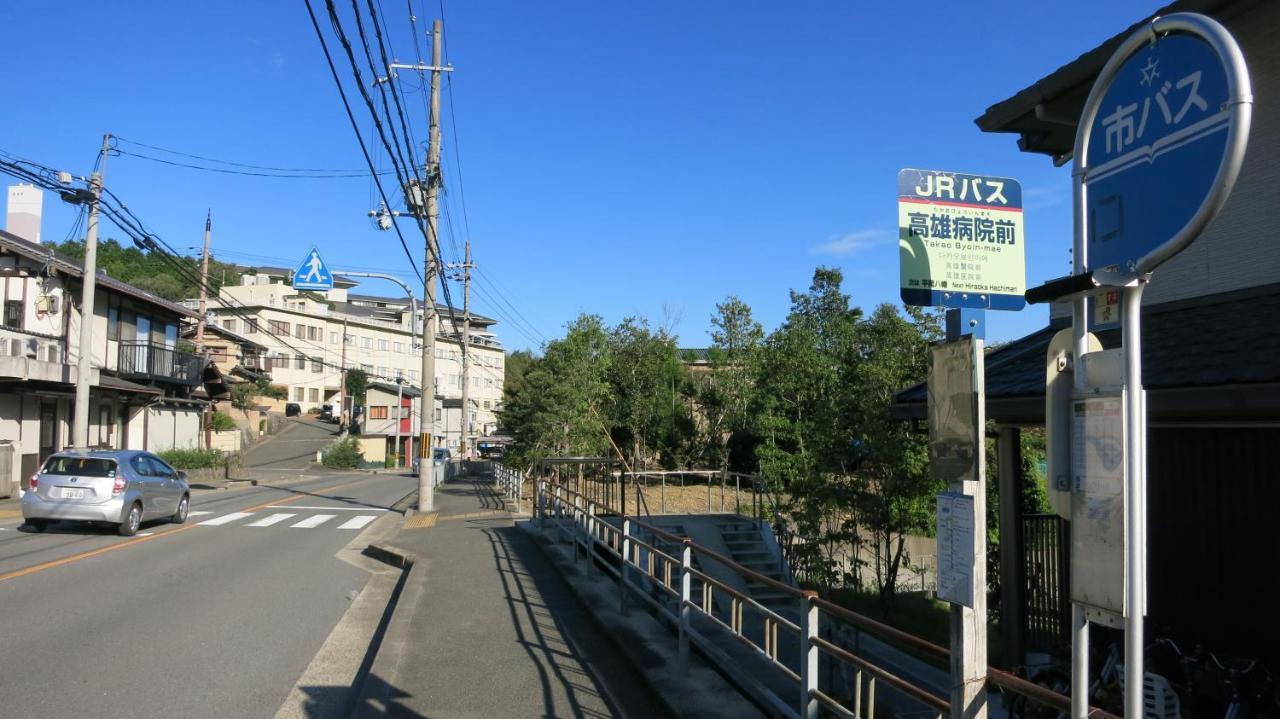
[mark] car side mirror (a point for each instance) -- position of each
(182, 475)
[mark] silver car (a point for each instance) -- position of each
(121, 487)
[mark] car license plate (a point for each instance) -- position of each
(72, 493)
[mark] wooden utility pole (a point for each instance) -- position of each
(204, 282)
(426, 492)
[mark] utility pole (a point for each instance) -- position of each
(426, 492)
(204, 282)
(464, 432)
(342, 376)
(89, 286)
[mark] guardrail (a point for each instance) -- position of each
(510, 481)
(687, 597)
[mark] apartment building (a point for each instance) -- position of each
(145, 392)
(309, 337)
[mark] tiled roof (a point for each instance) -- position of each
(75, 268)
(1231, 338)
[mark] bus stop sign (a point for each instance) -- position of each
(1164, 144)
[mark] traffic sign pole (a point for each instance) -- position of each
(1181, 82)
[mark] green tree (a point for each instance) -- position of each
(726, 392)
(357, 384)
(649, 412)
(151, 271)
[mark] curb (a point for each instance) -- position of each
(377, 701)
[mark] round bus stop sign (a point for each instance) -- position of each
(1162, 138)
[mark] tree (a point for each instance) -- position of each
(151, 271)
(243, 395)
(726, 393)
(649, 411)
(357, 384)
(895, 486)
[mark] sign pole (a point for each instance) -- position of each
(1135, 579)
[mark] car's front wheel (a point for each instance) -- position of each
(184, 506)
(132, 521)
(38, 525)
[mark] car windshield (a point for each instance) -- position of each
(81, 466)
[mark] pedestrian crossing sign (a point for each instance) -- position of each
(313, 274)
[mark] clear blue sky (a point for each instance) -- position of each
(616, 157)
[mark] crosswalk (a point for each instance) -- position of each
(291, 519)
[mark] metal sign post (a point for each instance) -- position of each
(961, 246)
(1158, 149)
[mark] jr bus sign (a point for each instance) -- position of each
(961, 241)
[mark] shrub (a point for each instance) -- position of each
(222, 422)
(344, 454)
(391, 461)
(194, 458)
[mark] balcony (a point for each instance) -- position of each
(158, 363)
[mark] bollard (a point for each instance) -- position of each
(591, 535)
(319, 457)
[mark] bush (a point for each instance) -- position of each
(391, 461)
(194, 458)
(222, 422)
(344, 455)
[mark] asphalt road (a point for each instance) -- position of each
(213, 618)
(293, 449)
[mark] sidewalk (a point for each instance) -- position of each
(485, 627)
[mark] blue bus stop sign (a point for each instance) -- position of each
(1164, 142)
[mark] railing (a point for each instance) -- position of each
(151, 361)
(510, 481)
(651, 573)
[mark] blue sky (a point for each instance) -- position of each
(617, 158)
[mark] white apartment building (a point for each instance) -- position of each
(311, 336)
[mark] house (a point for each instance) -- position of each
(1211, 367)
(145, 392)
(386, 430)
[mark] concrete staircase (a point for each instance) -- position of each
(747, 546)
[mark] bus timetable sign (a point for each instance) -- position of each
(1164, 143)
(960, 240)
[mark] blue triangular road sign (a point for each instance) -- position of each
(313, 274)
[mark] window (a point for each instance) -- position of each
(368, 368)
(113, 323)
(297, 394)
(218, 354)
(333, 338)
(382, 372)
(251, 326)
(486, 404)
(278, 327)
(437, 414)
(413, 375)
(366, 343)
(399, 347)
(349, 340)
(383, 345)
(300, 362)
(317, 365)
(13, 314)
(300, 331)
(313, 394)
(230, 324)
(377, 413)
(313, 333)
(488, 382)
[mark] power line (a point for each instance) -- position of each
(246, 173)
(359, 138)
(508, 302)
(300, 170)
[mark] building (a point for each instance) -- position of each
(1211, 368)
(384, 429)
(146, 392)
(310, 337)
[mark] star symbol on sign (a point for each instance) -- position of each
(1150, 73)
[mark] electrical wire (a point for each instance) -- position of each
(297, 170)
(246, 173)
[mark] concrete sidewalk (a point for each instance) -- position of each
(484, 626)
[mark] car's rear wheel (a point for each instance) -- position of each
(132, 521)
(184, 506)
(38, 525)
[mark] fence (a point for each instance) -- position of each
(642, 558)
(1047, 613)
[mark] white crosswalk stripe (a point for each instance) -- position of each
(194, 513)
(313, 521)
(225, 519)
(358, 522)
(268, 521)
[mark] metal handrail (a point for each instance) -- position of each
(581, 512)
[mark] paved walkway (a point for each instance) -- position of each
(486, 627)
